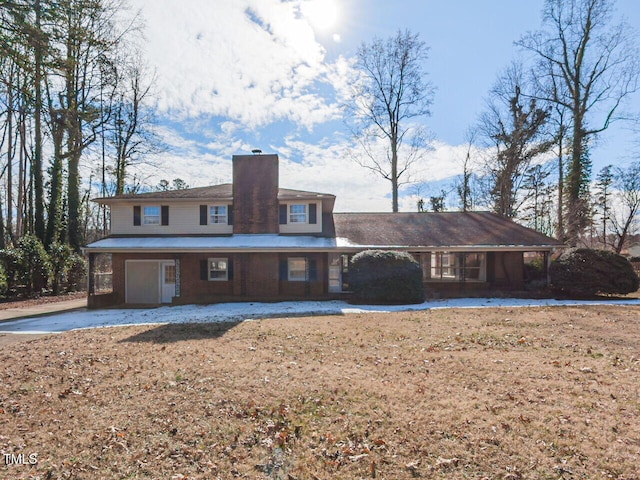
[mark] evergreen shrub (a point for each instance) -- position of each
(587, 272)
(386, 277)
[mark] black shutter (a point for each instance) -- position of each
(164, 209)
(229, 214)
(203, 214)
(136, 215)
(230, 269)
(313, 215)
(313, 269)
(283, 215)
(204, 270)
(284, 270)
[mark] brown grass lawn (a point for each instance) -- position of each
(536, 393)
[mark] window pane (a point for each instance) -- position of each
(151, 215)
(297, 213)
(218, 214)
(218, 268)
(297, 269)
(169, 274)
(468, 267)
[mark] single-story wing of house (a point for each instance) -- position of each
(254, 241)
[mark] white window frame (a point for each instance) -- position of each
(151, 218)
(214, 265)
(295, 266)
(217, 218)
(298, 216)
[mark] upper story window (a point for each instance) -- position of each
(218, 214)
(151, 215)
(298, 213)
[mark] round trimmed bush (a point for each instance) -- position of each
(381, 276)
(586, 272)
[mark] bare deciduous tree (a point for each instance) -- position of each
(514, 130)
(587, 65)
(625, 215)
(390, 93)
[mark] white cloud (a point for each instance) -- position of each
(252, 65)
(252, 61)
(325, 166)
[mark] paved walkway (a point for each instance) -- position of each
(42, 309)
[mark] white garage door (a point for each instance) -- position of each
(142, 281)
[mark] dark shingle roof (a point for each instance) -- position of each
(446, 229)
(222, 191)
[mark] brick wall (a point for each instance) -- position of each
(256, 276)
(255, 194)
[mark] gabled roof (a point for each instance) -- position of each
(439, 230)
(223, 191)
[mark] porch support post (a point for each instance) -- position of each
(91, 284)
(547, 263)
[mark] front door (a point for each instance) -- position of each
(168, 281)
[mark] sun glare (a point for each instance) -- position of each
(322, 14)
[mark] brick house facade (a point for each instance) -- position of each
(252, 240)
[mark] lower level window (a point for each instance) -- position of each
(458, 267)
(297, 268)
(218, 269)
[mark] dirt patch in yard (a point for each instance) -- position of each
(468, 393)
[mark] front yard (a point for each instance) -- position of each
(515, 393)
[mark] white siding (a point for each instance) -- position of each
(184, 218)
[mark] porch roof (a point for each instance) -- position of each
(196, 243)
(442, 230)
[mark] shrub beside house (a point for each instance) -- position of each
(587, 272)
(387, 277)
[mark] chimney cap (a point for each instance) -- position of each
(256, 151)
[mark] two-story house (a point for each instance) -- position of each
(251, 240)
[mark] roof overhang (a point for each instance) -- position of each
(274, 243)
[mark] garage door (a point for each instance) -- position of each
(142, 281)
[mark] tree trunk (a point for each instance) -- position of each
(38, 186)
(394, 174)
(560, 226)
(54, 217)
(10, 158)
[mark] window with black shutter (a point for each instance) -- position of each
(313, 214)
(284, 271)
(137, 216)
(283, 214)
(165, 214)
(313, 269)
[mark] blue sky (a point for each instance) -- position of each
(233, 75)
